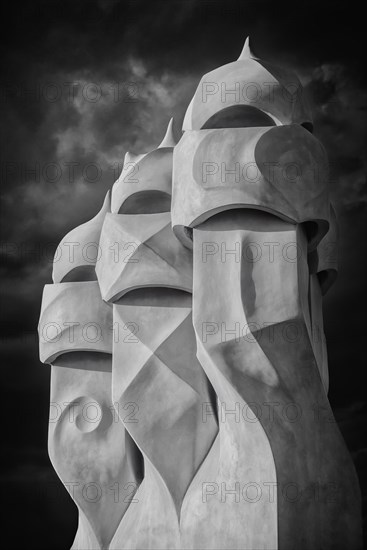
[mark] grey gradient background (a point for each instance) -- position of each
(164, 48)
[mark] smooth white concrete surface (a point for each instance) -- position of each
(165, 381)
(74, 318)
(248, 82)
(252, 323)
(282, 170)
(141, 251)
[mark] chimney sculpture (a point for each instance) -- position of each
(189, 364)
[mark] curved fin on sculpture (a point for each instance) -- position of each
(246, 51)
(169, 138)
(152, 171)
(87, 233)
(187, 125)
(131, 157)
(168, 141)
(231, 85)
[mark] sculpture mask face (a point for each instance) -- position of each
(154, 363)
(141, 251)
(249, 185)
(247, 82)
(281, 170)
(88, 446)
(139, 248)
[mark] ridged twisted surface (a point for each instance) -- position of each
(258, 346)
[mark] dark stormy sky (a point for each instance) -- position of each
(85, 81)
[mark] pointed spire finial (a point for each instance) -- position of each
(129, 157)
(169, 139)
(246, 51)
(106, 206)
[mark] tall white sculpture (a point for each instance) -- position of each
(90, 450)
(189, 362)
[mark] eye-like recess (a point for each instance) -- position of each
(79, 274)
(85, 360)
(238, 116)
(156, 296)
(146, 202)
